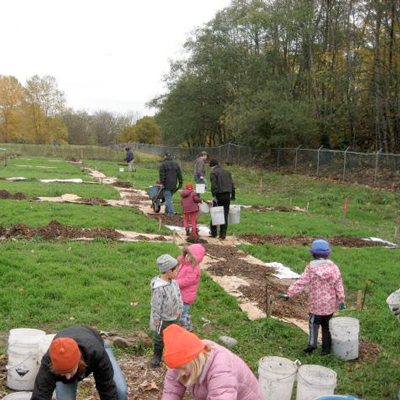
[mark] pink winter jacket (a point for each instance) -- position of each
(190, 201)
(225, 377)
(325, 284)
(188, 276)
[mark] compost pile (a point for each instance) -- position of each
(120, 184)
(16, 196)
(95, 201)
(55, 230)
(262, 282)
(276, 239)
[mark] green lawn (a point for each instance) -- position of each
(67, 282)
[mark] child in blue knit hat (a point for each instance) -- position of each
(326, 293)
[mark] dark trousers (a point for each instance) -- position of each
(158, 341)
(224, 200)
(314, 322)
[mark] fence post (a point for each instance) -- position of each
(295, 160)
(344, 163)
(376, 165)
(278, 156)
(229, 150)
(319, 150)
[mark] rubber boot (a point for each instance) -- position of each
(156, 359)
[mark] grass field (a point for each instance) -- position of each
(57, 284)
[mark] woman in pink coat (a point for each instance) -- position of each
(209, 371)
(188, 278)
(326, 294)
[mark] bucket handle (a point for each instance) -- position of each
(15, 366)
(297, 364)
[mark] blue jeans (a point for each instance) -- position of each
(186, 319)
(169, 208)
(67, 391)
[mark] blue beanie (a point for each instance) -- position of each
(320, 247)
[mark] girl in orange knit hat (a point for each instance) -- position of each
(208, 370)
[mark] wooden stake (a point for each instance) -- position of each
(261, 186)
(270, 305)
(308, 205)
(359, 300)
(266, 300)
(345, 208)
(159, 223)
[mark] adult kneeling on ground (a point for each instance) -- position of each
(75, 353)
(208, 370)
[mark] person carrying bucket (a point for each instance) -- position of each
(190, 207)
(205, 368)
(326, 294)
(75, 353)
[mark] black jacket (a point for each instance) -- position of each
(170, 174)
(91, 346)
(221, 181)
(129, 156)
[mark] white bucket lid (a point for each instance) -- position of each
(277, 365)
(18, 396)
(26, 332)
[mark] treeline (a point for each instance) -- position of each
(288, 73)
(36, 113)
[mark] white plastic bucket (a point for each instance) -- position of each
(276, 376)
(121, 169)
(344, 332)
(217, 215)
(234, 214)
(314, 381)
(200, 187)
(393, 302)
(203, 209)
(23, 358)
(18, 396)
(44, 344)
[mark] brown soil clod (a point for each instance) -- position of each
(122, 184)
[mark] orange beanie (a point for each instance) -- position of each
(180, 346)
(64, 354)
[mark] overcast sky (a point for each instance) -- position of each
(105, 54)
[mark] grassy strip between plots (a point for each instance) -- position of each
(54, 285)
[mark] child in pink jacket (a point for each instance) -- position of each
(326, 294)
(206, 369)
(188, 279)
(190, 208)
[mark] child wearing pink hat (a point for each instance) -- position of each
(190, 208)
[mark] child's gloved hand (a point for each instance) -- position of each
(283, 296)
(342, 306)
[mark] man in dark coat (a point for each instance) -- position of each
(75, 353)
(129, 158)
(172, 180)
(199, 169)
(223, 191)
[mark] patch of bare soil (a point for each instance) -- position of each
(17, 196)
(72, 159)
(122, 184)
(136, 199)
(279, 209)
(262, 283)
(93, 201)
(174, 220)
(55, 230)
(341, 241)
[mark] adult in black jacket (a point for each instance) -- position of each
(75, 353)
(223, 191)
(172, 180)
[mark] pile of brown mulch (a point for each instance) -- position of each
(16, 196)
(174, 220)
(55, 230)
(262, 283)
(120, 184)
(341, 241)
(72, 159)
(368, 351)
(93, 201)
(279, 209)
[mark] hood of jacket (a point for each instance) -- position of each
(325, 270)
(158, 282)
(198, 251)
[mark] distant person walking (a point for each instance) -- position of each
(171, 178)
(223, 191)
(190, 207)
(200, 168)
(130, 159)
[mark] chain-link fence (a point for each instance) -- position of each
(367, 168)
(228, 153)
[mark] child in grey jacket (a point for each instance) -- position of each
(166, 303)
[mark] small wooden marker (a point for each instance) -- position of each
(270, 305)
(159, 223)
(359, 300)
